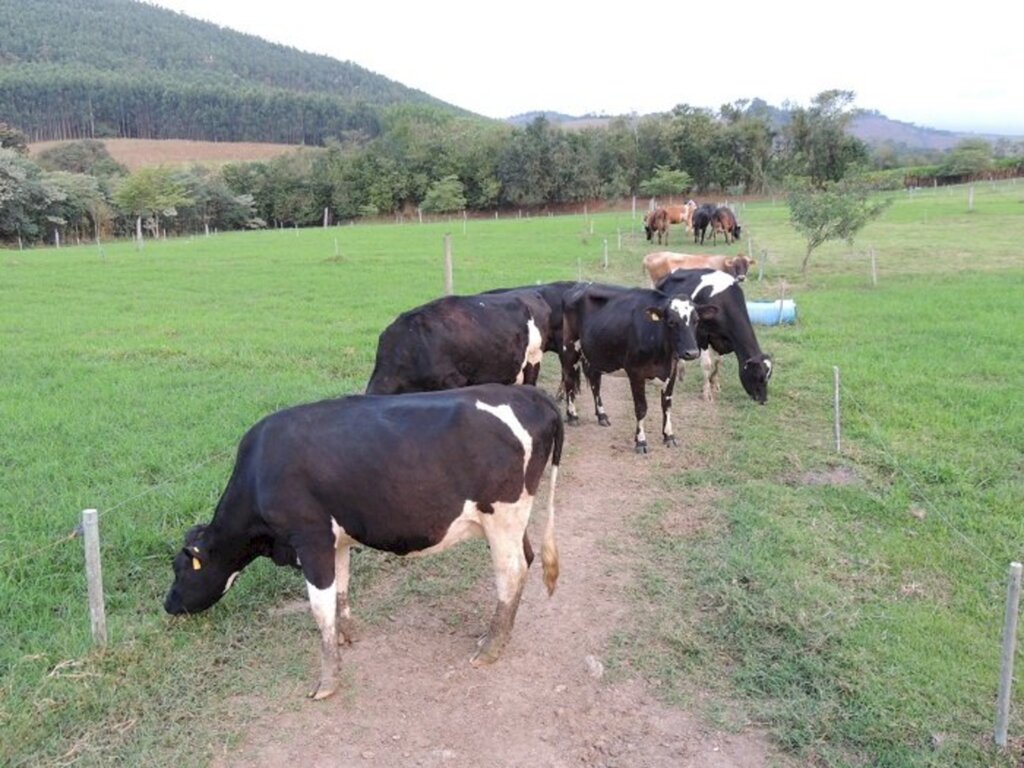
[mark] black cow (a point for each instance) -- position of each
(725, 327)
(552, 293)
(642, 331)
(723, 220)
(702, 219)
(410, 474)
(457, 341)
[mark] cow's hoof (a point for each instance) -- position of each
(572, 421)
(323, 690)
(348, 632)
(670, 442)
(641, 448)
(486, 654)
(603, 420)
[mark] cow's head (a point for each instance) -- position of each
(202, 574)
(738, 267)
(680, 318)
(649, 225)
(754, 375)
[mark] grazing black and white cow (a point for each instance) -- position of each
(552, 293)
(410, 474)
(725, 327)
(639, 330)
(458, 341)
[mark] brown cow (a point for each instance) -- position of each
(660, 263)
(723, 220)
(682, 214)
(656, 221)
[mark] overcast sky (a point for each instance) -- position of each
(929, 63)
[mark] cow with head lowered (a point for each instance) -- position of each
(458, 341)
(725, 327)
(606, 328)
(410, 474)
(552, 293)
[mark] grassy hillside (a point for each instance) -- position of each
(851, 603)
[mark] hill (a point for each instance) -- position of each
(132, 70)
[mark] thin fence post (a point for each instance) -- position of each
(835, 408)
(874, 268)
(448, 281)
(760, 265)
(782, 301)
(620, 238)
(1009, 650)
(94, 577)
(606, 253)
(970, 198)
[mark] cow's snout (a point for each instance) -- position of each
(691, 354)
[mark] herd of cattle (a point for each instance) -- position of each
(443, 447)
(694, 218)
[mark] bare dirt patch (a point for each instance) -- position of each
(411, 698)
(140, 153)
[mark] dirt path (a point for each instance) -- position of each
(412, 699)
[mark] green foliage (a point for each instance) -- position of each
(837, 211)
(445, 196)
(968, 158)
(88, 156)
(817, 145)
(665, 182)
(12, 138)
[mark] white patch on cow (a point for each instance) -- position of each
(717, 281)
(466, 526)
(340, 536)
(534, 349)
(641, 436)
(323, 603)
(508, 417)
(504, 530)
(231, 581)
(768, 365)
(683, 308)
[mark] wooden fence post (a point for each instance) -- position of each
(835, 408)
(94, 577)
(448, 280)
(874, 268)
(1009, 651)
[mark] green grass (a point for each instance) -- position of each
(857, 632)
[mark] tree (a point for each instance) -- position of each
(968, 158)
(151, 192)
(816, 143)
(12, 138)
(666, 181)
(445, 196)
(836, 212)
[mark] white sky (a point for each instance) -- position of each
(936, 64)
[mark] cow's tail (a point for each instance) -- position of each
(549, 549)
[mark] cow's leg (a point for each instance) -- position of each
(637, 384)
(346, 626)
(666, 406)
(709, 363)
(505, 530)
(318, 567)
(594, 379)
(570, 359)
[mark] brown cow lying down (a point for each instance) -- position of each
(660, 263)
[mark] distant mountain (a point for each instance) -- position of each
(869, 126)
(119, 68)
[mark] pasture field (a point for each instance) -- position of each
(850, 603)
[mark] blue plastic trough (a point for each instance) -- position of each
(770, 312)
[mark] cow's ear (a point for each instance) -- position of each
(707, 311)
(653, 314)
(729, 263)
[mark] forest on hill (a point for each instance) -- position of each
(132, 70)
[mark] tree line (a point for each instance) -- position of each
(433, 160)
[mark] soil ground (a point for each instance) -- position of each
(411, 698)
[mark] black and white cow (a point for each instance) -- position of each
(642, 331)
(458, 341)
(725, 327)
(411, 474)
(552, 293)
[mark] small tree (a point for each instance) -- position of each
(666, 181)
(838, 211)
(444, 196)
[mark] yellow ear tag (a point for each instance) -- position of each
(196, 565)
